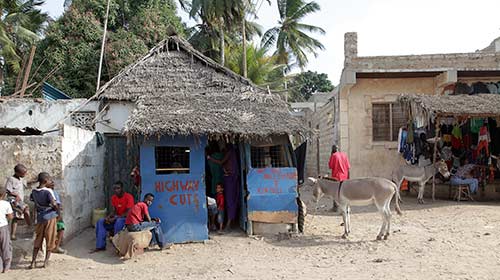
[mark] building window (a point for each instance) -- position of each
(270, 156)
(83, 120)
(387, 118)
(172, 160)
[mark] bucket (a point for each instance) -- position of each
(97, 214)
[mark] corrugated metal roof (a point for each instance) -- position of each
(51, 93)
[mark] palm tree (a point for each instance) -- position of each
(21, 24)
(290, 37)
(262, 68)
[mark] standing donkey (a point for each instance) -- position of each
(420, 175)
(359, 192)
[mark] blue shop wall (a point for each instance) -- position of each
(180, 199)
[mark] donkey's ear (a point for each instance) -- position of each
(311, 180)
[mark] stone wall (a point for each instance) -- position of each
(320, 144)
(75, 162)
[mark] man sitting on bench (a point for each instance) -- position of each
(463, 176)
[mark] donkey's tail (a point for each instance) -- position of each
(398, 199)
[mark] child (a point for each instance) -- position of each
(60, 223)
(219, 197)
(6, 214)
(46, 218)
(212, 212)
(15, 186)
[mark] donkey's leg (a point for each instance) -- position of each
(343, 209)
(421, 189)
(388, 216)
(380, 208)
(348, 219)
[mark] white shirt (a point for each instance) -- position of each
(211, 201)
(5, 209)
(12, 184)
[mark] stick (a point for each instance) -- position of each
(438, 119)
(102, 48)
(28, 70)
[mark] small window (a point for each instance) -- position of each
(84, 120)
(387, 119)
(172, 160)
(270, 156)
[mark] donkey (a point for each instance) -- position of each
(359, 192)
(420, 175)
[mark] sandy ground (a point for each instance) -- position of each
(441, 240)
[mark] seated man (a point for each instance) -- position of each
(121, 202)
(464, 176)
(138, 219)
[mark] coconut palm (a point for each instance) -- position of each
(21, 24)
(291, 37)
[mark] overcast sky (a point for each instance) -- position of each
(388, 27)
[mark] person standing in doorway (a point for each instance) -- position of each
(231, 182)
(15, 186)
(339, 164)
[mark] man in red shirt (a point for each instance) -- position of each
(138, 219)
(339, 164)
(115, 222)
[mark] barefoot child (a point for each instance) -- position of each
(60, 223)
(220, 205)
(6, 214)
(15, 186)
(46, 218)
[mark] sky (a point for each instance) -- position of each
(387, 27)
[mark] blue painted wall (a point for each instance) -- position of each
(180, 199)
(271, 189)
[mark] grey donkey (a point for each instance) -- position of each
(359, 192)
(420, 175)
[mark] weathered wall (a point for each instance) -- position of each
(320, 145)
(370, 158)
(37, 153)
(113, 118)
(42, 115)
(82, 187)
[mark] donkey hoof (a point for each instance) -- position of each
(344, 236)
(386, 236)
(379, 237)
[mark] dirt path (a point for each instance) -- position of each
(441, 240)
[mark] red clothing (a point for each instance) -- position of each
(136, 214)
(339, 164)
(220, 201)
(121, 204)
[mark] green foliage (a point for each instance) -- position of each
(72, 43)
(262, 68)
(290, 37)
(307, 83)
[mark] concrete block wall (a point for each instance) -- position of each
(82, 187)
(323, 122)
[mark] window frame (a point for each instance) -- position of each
(172, 170)
(390, 137)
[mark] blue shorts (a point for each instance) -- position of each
(212, 210)
(220, 217)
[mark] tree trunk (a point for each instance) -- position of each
(244, 57)
(222, 42)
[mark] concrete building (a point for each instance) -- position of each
(370, 117)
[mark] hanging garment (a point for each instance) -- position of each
(409, 138)
(479, 87)
(456, 137)
(463, 88)
(483, 140)
(492, 87)
(476, 124)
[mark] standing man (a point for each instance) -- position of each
(339, 164)
(138, 219)
(6, 214)
(121, 202)
(15, 194)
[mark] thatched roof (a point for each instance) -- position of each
(179, 91)
(246, 115)
(174, 66)
(431, 106)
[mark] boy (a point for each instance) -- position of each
(138, 219)
(212, 212)
(219, 197)
(60, 223)
(46, 218)
(6, 214)
(15, 186)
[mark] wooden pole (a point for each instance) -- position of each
(434, 157)
(102, 48)
(28, 70)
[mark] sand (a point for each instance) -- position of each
(440, 240)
